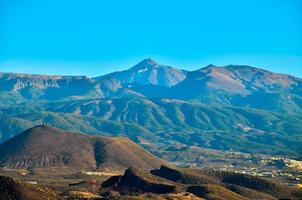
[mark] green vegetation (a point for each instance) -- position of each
(160, 120)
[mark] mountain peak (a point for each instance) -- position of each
(210, 66)
(149, 61)
(146, 63)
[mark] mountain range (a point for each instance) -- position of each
(234, 107)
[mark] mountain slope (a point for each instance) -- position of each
(154, 121)
(200, 176)
(16, 88)
(12, 189)
(235, 85)
(43, 146)
(212, 185)
(210, 126)
(243, 86)
(233, 107)
(148, 72)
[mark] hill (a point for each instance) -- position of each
(12, 189)
(154, 121)
(212, 185)
(44, 146)
(235, 181)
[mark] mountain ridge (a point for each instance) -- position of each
(213, 105)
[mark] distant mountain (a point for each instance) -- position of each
(235, 85)
(232, 107)
(205, 184)
(44, 146)
(242, 86)
(18, 88)
(148, 72)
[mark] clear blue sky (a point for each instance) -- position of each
(94, 37)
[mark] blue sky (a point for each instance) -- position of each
(94, 37)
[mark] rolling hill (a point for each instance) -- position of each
(13, 189)
(43, 146)
(212, 185)
(154, 121)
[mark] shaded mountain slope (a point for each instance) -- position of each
(140, 181)
(249, 193)
(43, 146)
(241, 182)
(12, 189)
(214, 192)
(204, 184)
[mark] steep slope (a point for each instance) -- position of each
(12, 189)
(43, 146)
(148, 72)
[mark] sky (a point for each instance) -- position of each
(95, 37)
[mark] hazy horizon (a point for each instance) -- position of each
(76, 38)
(26, 70)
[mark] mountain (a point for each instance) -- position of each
(212, 185)
(11, 189)
(148, 72)
(234, 107)
(235, 85)
(17, 88)
(44, 146)
(152, 122)
(242, 86)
